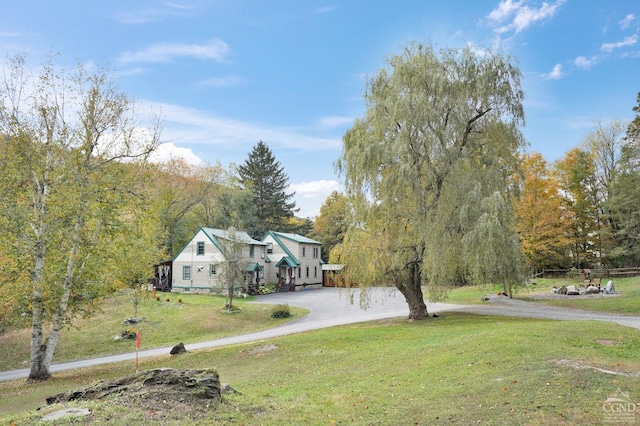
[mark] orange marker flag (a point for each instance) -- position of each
(137, 347)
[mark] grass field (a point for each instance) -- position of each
(457, 369)
(184, 318)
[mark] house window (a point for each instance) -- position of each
(200, 251)
(186, 272)
(251, 250)
(270, 248)
(315, 252)
(299, 272)
(307, 272)
(212, 270)
(303, 250)
(315, 272)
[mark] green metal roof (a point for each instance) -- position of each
(254, 266)
(287, 260)
(240, 236)
(294, 237)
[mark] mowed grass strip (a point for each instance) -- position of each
(186, 318)
(457, 369)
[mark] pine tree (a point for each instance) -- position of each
(265, 178)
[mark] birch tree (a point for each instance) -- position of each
(233, 268)
(64, 132)
(426, 170)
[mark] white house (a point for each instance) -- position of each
(293, 261)
(196, 266)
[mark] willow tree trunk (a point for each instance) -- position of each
(410, 285)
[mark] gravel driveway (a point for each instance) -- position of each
(331, 306)
(501, 305)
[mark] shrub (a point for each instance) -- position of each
(179, 299)
(230, 309)
(280, 311)
(128, 334)
(167, 299)
(158, 298)
(263, 289)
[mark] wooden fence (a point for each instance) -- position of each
(594, 273)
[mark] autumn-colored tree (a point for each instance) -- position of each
(225, 203)
(576, 175)
(331, 224)
(543, 220)
(180, 188)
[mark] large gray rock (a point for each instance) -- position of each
(67, 412)
(178, 349)
(572, 290)
(182, 384)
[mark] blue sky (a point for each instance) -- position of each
(227, 74)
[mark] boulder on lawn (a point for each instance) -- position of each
(178, 349)
(610, 288)
(160, 383)
(593, 290)
(572, 290)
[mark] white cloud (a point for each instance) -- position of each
(168, 151)
(335, 121)
(190, 125)
(584, 62)
(624, 23)
(310, 196)
(555, 74)
(504, 10)
(628, 41)
(158, 12)
(229, 81)
(520, 15)
(130, 72)
(215, 50)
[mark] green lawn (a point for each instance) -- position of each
(457, 369)
(194, 318)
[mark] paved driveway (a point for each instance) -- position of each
(331, 306)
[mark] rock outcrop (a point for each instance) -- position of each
(167, 383)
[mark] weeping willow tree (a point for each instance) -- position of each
(427, 171)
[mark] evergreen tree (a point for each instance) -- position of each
(265, 178)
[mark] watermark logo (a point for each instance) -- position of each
(619, 408)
